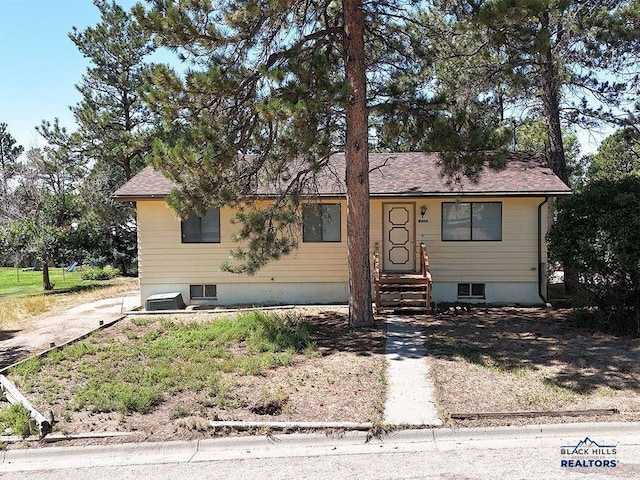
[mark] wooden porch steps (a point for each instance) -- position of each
(403, 293)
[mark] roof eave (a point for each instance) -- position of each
(137, 198)
(535, 193)
(540, 193)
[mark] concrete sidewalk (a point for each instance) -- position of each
(60, 328)
(410, 392)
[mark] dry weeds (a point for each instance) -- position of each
(486, 360)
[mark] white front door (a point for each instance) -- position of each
(399, 234)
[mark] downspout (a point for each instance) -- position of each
(540, 294)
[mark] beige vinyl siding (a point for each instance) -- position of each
(164, 259)
(514, 259)
(166, 264)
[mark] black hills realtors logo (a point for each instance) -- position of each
(588, 453)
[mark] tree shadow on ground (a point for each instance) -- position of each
(513, 339)
(7, 334)
(331, 334)
(11, 355)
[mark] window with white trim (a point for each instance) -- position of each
(321, 222)
(471, 221)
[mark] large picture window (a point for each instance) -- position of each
(205, 229)
(471, 221)
(321, 222)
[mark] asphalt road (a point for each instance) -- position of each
(503, 453)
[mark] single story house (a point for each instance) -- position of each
(485, 239)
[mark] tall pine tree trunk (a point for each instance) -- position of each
(551, 103)
(557, 159)
(357, 169)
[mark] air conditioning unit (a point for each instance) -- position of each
(165, 301)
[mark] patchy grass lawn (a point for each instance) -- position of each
(166, 378)
(529, 359)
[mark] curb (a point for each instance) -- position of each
(298, 444)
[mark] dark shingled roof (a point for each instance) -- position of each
(399, 174)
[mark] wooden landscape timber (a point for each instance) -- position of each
(551, 413)
(44, 423)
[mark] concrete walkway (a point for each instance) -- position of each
(410, 392)
(47, 329)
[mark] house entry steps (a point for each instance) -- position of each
(404, 293)
(410, 391)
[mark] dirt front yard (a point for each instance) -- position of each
(338, 377)
(529, 359)
(482, 361)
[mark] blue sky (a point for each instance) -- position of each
(40, 64)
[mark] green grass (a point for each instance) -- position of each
(16, 418)
(16, 283)
(134, 373)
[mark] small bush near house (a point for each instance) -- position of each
(95, 273)
(598, 232)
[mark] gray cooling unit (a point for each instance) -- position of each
(165, 301)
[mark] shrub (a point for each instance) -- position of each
(95, 273)
(598, 232)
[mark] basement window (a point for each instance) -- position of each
(207, 291)
(471, 290)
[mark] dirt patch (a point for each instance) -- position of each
(341, 380)
(62, 317)
(529, 359)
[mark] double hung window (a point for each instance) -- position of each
(205, 229)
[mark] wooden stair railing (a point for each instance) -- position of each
(402, 292)
(376, 275)
(426, 274)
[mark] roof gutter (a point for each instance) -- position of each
(160, 196)
(137, 198)
(542, 295)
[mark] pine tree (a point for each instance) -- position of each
(9, 153)
(114, 126)
(112, 118)
(554, 52)
(275, 88)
